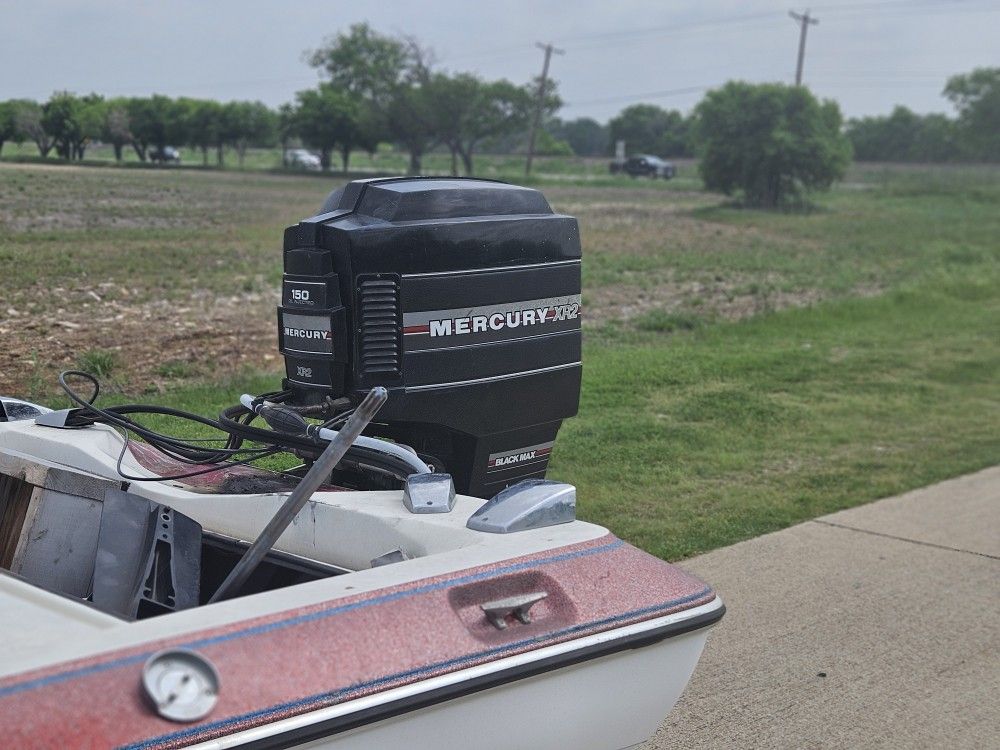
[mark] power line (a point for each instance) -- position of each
(631, 36)
(907, 5)
(851, 81)
(647, 95)
(487, 53)
(848, 83)
(672, 28)
(827, 72)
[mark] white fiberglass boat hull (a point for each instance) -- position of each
(564, 708)
(375, 655)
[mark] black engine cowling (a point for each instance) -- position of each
(461, 297)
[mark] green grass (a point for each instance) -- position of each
(664, 322)
(743, 370)
(693, 441)
(98, 362)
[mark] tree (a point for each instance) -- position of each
(389, 75)
(93, 111)
(548, 145)
(649, 129)
(369, 130)
(247, 123)
(72, 122)
(288, 127)
(408, 109)
(872, 139)
(771, 142)
(13, 118)
(8, 128)
(156, 122)
(904, 136)
(141, 118)
(59, 115)
(204, 127)
(325, 117)
(675, 139)
(937, 140)
(500, 108)
(976, 96)
(639, 126)
(115, 129)
(28, 123)
(409, 119)
(364, 63)
(586, 136)
(466, 110)
(453, 100)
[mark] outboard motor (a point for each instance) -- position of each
(461, 297)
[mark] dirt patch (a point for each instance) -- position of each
(731, 298)
(151, 342)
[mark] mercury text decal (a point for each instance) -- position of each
(510, 320)
(307, 333)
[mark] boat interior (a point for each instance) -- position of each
(88, 548)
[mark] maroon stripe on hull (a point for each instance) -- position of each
(301, 660)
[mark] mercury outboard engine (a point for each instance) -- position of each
(461, 297)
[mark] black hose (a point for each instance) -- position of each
(235, 427)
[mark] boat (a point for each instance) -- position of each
(159, 593)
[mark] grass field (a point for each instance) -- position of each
(743, 370)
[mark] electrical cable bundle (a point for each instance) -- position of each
(189, 451)
(380, 457)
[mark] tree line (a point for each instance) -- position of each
(377, 88)
(904, 136)
(66, 124)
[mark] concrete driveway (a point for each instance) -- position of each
(875, 627)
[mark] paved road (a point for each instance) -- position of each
(875, 627)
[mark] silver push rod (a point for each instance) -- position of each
(317, 474)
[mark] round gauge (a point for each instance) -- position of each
(182, 684)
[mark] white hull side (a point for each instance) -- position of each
(608, 703)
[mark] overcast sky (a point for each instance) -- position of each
(867, 55)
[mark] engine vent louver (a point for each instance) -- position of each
(379, 316)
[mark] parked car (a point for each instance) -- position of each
(169, 155)
(300, 158)
(645, 165)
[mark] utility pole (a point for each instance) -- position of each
(804, 20)
(539, 105)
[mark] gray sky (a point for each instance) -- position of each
(868, 55)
